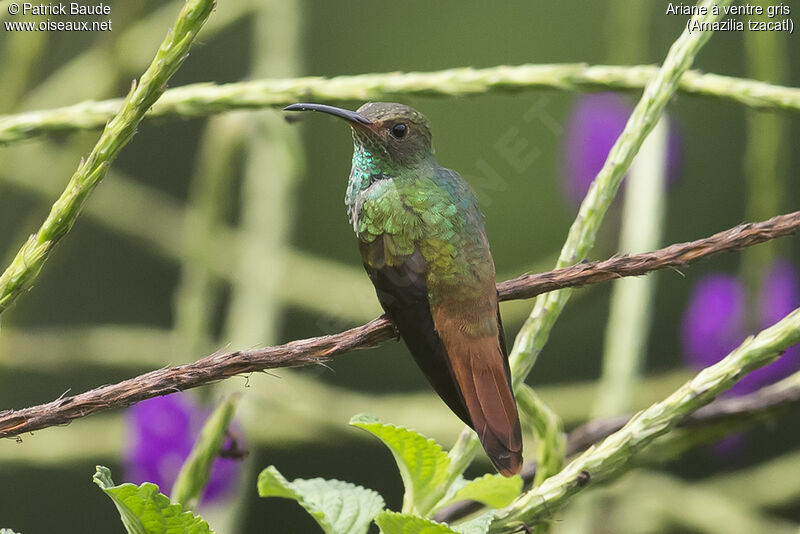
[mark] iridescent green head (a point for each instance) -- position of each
(393, 135)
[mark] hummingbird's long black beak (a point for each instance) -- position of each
(346, 114)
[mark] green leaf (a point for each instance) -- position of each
(478, 525)
(146, 511)
(397, 523)
(493, 490)
(422, 463)
(194, 473)
(339, 507)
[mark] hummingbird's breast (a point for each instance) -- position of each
(436, 217)
(366, 171)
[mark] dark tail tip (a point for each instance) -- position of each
(508, 463)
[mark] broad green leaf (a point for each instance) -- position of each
(455, 486)
(339, 507)
(478, 525)
(422, 463)
(146, 511)
(493, 490)
(397, 523)
(194, 473)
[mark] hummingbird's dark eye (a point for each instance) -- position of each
(399, 130)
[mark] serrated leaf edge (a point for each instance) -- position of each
(290, 491)
(419, 498)
(463, 494)
(444, 528)
(102, 478)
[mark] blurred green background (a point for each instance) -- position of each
(126, 290)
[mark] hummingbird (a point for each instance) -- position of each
(423, 244)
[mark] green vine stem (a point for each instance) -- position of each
(25, 267)
(199, 288)
(271, 171)
(207, 98)
(548, 430)
(612, 457)
(764, 158)
(271, 168)
(631, 308)
(195, 472)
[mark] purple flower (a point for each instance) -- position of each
(162, 432)
(596, 122)
(715, 322)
